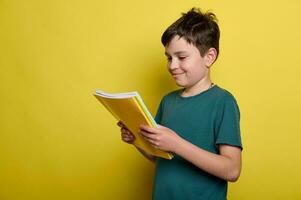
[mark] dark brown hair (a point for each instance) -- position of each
(195, 27)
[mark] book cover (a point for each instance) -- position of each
(131, 110)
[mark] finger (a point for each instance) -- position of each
(151, 139)
(148, 139)
(121, 124)
(127, 132)
(124, 130)
(148, 135)
(127, 138)
(128, 141)
(148, 129)
(153, 143)
(131, 136)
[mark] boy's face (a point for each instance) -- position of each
(185, 63)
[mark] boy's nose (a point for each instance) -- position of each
(173, 65)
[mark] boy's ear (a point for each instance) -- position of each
(210, 57)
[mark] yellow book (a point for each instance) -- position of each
(131, 110)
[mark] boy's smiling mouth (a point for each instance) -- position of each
(177, 74)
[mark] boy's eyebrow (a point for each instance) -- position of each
(176, 53)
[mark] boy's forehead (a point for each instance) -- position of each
(178, 45)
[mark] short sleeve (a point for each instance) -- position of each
(228, 123)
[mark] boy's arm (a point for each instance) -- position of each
(128, 137)
(146, 155)
(226, 165)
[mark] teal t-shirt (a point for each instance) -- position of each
(206, 120)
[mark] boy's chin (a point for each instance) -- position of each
(180, 84)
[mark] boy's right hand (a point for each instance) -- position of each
(126, 135)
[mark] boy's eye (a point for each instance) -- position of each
(182, 57)
(168, 58)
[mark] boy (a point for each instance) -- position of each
(198, 123)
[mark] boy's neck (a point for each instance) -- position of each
(198, 88)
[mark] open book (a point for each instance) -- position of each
(130, 109)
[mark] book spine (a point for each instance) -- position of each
(145, 111)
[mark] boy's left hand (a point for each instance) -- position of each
(161, 138)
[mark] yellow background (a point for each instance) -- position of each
(58, 142)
